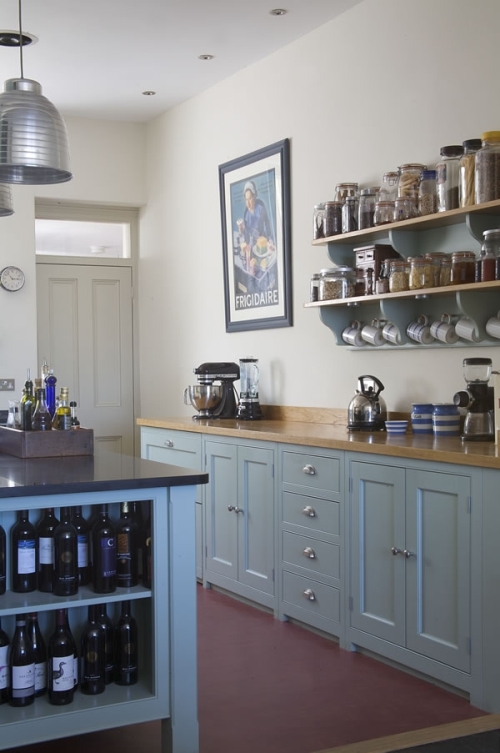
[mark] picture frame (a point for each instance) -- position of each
(256, 239)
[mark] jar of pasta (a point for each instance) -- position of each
(399, 275)
(409, 179)
(435, 260)
(421, 275)
(463, 267)
(466, 178)
(487, 168)
(445, 271)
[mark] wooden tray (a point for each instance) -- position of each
(46, 444)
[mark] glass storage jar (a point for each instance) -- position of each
(447, 177)
(487, 168)
(427, 198)
(314, 288)
(490, 250)
(385, 212)
(350, 214)
(462, 267)
(332, 219)
(343, 190)
(389, 188)
(399, 275)
(366, 212)
(336, 282)
(406, 208)
(435, 260)
(318, 217)
(421, 274)
(409, 179)
(445, 271)
(466, 173)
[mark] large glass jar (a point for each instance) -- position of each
(318, 216)
(445, 271)
(385, 212)
(435, 260)
(350, 214)
(336, 282)
(389, 188)
(421, 274)
(463, 267)
(487, 168)
(399, 275)
(490, 250)
(366, 214)
(343, 190)
(409, 179)
(332, 219)
(466, 173)
(427, 197)
(406, 208)
(447, 177)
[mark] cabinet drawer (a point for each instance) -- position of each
(174, 447)
(313, 597)
(317, 556)
(318, 515)
(312, 471)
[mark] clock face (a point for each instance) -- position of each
(12, 279)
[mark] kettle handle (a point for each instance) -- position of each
(374, 379)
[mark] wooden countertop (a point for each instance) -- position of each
(336, 436)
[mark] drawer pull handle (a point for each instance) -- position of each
(408, 554)
(309, 511)
(310, 470)
(309, 552)
(395, 550)
(168, 443)
(233, 508)
(309, 594)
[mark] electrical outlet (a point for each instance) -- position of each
(7, 385)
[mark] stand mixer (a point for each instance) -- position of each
(214, 400)
(478, 399)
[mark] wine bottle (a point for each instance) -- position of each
(45, 546)
(126, 647)
(23, 550)
(65, 556)
(93, 655)
(62, 651)
(109, 649)
(21, 666)
(40, 651)
(3, 564)
(27, 404)
(126, 548)
(82, 531)
(4, 665)
(62, 416)
(42, 420)
(104, 553)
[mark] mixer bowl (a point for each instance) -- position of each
(204, 397)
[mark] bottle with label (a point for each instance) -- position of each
(41, 420)
(65, 556)
(62, 652)
(82, 532)
(75, 423)
(104, 553)
(21, 666)
(23, 554)
(62, 416)
(93, 655)
(3, 563)
(109, 638)
(50, 392)
(126, 647)
(40, 651)
(127, 535)
(45, 548)
(27, 404)
(4, 665)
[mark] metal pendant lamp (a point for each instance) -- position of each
(6, 208)
(33, 137)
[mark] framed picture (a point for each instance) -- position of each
(255, 214)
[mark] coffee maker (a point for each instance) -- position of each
(215, 395)
(249, 407)
(367, 410)
(478, 399)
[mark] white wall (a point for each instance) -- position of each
(388, 82)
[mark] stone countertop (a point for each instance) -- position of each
(336, 436)
(20, 477)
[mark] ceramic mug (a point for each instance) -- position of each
(352, 334)
(392, 334)
(493, 326)
(420, 330)
(467, 329)
(372, 333)
(444, 330)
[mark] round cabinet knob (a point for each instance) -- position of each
(408, 554)
(395, 550)
(309, 552)
(309, 594)
(168, 443)
(238, 509)
(310, 470)
(309, 511)
(231, 508)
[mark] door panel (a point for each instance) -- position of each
(220, 493)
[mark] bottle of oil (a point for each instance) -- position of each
(27, 403)
(62, 416)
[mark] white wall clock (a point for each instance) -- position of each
(12, 278)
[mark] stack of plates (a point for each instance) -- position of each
(396, 427)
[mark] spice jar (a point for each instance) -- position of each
(427, 198)
(445, 271)
(406, 208)
(466, 173)
(409, 179)
(462, 267)
(389, 188)
(343, 190)
(366, 208)
(399, 275)
(332, 219)
(350, 214)
(490, 250)
(487, 168)
(337, 282)
(421, 275)
(318, 216)
(314, 288)
(447, 177)
(385, 212)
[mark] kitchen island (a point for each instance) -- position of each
(165, 612)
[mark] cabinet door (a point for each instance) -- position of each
(377, 574)
(256, 519)
(221, 523)
(438, 570)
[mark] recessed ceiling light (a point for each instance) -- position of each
(11, 38)
(149, 93)
(278, 12)
(205, 57)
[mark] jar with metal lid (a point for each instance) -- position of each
(435, 260)
(382, 284)
(318, 217)
(385, 212)
(490, 250)
(462, 267)
(447, 170)
(421, 275)
(399, 275)
(366, 208)
(350, 214)
(389, 188)
(336, 282)
(445, 271)
(332, 219)
(487, 168)
(409, 179)
(314, 288)
(406, 208)
(343, 190)
(466, 173)
(427, 197)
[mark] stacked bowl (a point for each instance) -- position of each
(396, 427)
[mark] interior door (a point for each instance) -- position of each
(84, 321)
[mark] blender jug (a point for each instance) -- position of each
(249, 408)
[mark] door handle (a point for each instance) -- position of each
(310, 470)
(168, 443)
(309, 594)
(309, 511)
(395, 550)
(309, 552)
(408, 554)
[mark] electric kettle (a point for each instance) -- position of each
(367, 410)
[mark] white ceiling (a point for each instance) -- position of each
(95, 58)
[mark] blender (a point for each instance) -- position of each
(249, 407)
(478, 399)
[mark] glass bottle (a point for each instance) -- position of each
(23, 554)
(65, 556)
(127, 536)
(50, 392)
(318, 216)
(92, 655)
(109, 649)
(75, 423)
(448, 169)
(332, 219)
(4, 665)
(62, 416)
(45, 550)
(399, 275)
(104, 553)
(40, 651)
(21, 666)
(366, 209)
(409, 179)
(3, 563)
(490, 250)
(61, 664)
(427, 197)
(27, 404)
(350, 214)
(82, 532)
(466, 173)
(126, 647)
(42, 420)
(487, 168)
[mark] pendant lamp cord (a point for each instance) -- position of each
(21, 41)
